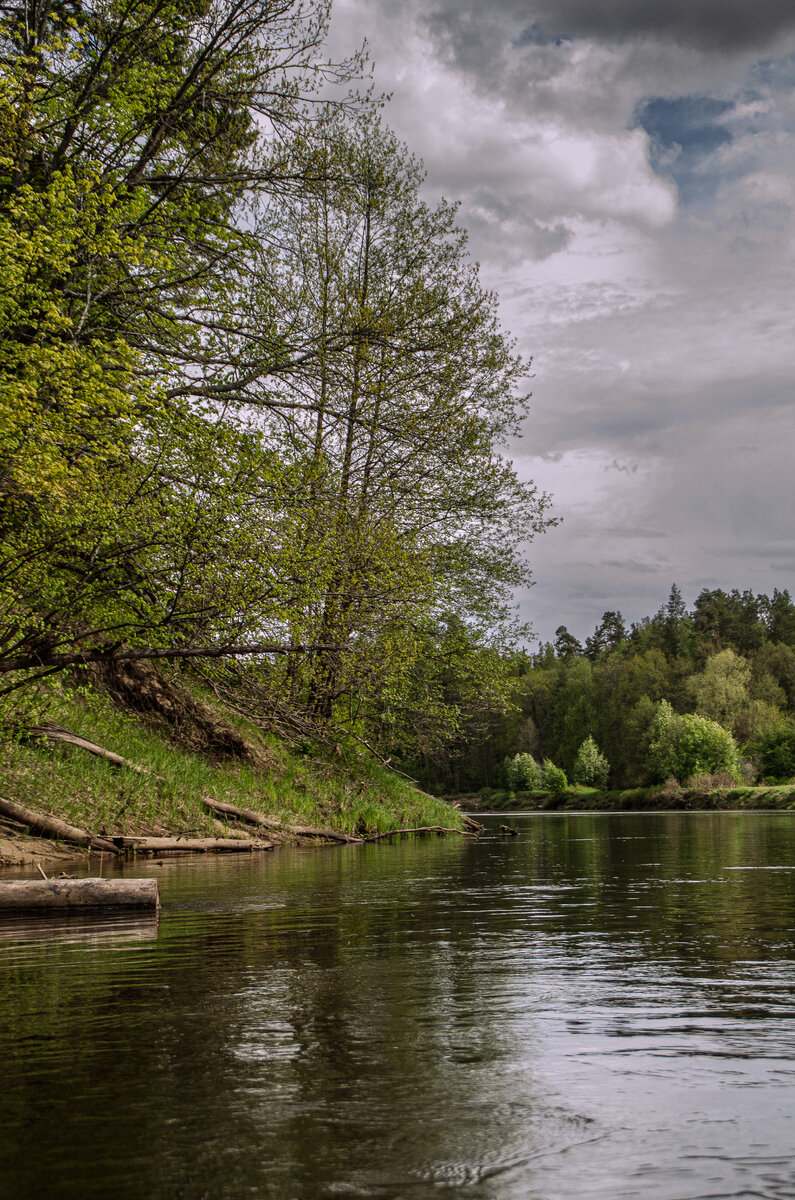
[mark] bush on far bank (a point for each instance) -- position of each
(591, 768)
(522, 774)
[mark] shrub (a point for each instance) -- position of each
(706, 782)
(523, 774)
(591, 768)
(553, 778)
(671, 789)
(683, 746)
(776, 754)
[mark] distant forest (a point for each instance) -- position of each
(729, 661)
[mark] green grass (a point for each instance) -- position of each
(347, 792)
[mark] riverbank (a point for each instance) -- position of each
(651, 799)
(157, 773)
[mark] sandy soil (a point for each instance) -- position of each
(27, 851)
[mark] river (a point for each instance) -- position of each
(602, 1007)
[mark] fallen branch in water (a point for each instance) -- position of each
(419, 829)
(54, 827)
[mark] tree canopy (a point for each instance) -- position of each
(253, 396)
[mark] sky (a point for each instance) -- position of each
(626, 172)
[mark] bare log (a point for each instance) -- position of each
(255, 818)
(54, 827)
(79, 893)
(57, 733)
(166, 845)
(509, 830)
(419, 829)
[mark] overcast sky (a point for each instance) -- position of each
(626, 170)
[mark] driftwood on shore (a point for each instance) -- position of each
(192, 845)
(57, 733)
(20, 894)
(54, 827)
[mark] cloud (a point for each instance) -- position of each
(714, 26)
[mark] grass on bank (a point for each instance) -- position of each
(346, 791)
(652, 798)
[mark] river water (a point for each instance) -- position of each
(601, 1007)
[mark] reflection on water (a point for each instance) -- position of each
(602, 1007)
(89, 927)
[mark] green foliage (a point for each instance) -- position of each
(721, 691)
(553, 778)
(523, 774)
(775, 752)
(591, 768)
(683, 746)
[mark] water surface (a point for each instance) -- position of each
(601, 1007)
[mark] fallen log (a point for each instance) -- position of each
(419, 829)
(166, 845)
(57, 733)
(79, 893)
(54, 827)
(255, 818)
(509, 830)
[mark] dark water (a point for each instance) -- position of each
(602, 1007)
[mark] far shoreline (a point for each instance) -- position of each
(769, 798)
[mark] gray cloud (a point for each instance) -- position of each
(714, 26)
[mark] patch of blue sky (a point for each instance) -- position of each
(536, 35)
(774, 73)
(684, 135)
